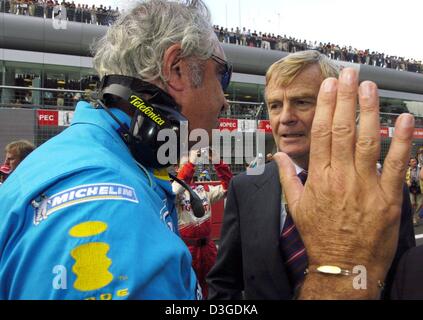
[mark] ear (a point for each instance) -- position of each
(173, 68)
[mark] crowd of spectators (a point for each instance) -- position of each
(73, 12)
(106, 16)
(270, 41)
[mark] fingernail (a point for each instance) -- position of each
(329, 85)
(348, 76)
(366, 89)
(406, 120)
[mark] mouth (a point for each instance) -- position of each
(292, 135)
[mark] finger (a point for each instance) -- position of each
(367, 147)
(343, 128)
(321, 131)
(290, 183)
(396, 162)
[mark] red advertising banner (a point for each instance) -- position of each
(418, 133)
(228, 124)
(264, 125)
(48, 118)
(384, 132)
(388, 132)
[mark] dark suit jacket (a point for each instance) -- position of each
(249, 258)
(408, 283)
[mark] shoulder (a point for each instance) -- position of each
(408, 282)
(413, 259)
(270, 174)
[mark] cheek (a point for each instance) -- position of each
(274, 120)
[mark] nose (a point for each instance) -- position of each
(288, 116)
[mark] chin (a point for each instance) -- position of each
(293, 152)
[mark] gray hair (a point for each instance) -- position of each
(135, 45)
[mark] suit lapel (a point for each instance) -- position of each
(266, 208)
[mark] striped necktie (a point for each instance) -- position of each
(292, 248)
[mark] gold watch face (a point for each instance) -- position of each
(329, 269)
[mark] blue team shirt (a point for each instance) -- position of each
(79, 219)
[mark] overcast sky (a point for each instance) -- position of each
(388, 26)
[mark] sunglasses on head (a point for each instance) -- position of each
(227, 73)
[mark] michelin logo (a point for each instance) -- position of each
(81, 194)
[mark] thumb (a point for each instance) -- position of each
(290, 183)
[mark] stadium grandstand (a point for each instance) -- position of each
(45, 72)
(341, 53)
(102, 15)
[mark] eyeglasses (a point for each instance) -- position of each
(227, 73)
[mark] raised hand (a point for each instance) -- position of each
(346, 213)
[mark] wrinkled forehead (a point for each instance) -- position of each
(302, 82)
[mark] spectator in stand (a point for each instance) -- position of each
(70, 11)
(78, 13)
(93, 13)
(100, 15)
(86, 14)
(196, 232)
(420, 157)
(16, 152)
(232, 37)
(413, 181)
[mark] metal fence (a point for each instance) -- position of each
(22, 107)
(41, 98)
(245, 110)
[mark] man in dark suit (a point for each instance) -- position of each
(251, 261)
(408, 283)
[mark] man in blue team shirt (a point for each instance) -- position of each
(81, 219)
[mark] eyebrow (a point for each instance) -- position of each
(294, 97)
(305, 96)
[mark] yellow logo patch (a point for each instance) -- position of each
(88, 229)
(91, 266)
(91, 262)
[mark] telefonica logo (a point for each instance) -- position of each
(138, 103)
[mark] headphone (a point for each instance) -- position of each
(157, 112)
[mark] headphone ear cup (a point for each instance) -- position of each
(143, 143)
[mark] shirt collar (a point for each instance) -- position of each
(298, 169)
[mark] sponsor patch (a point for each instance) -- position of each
(81, 194)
